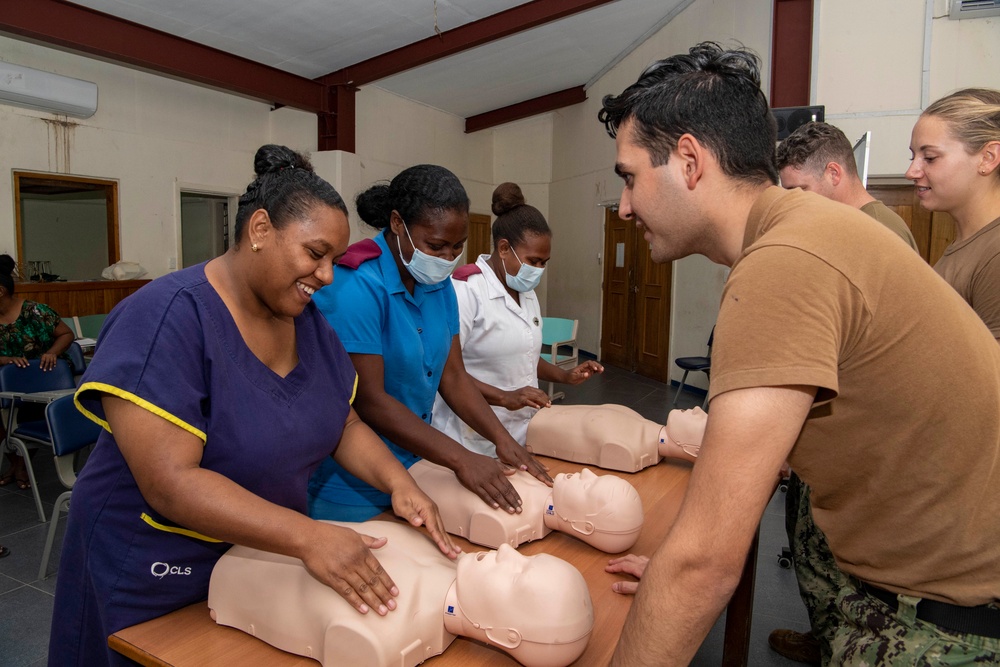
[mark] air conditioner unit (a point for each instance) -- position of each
(974, 9)
(44, 91)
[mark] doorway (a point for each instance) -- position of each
(204, 227)
(480, 240)
(635, 320)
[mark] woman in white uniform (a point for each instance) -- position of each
(501, 323)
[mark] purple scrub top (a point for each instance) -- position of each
(174, 349)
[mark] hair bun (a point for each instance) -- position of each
(272, 158)
(507, 196)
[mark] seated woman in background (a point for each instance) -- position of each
(501, 323)
(955, 148)
(394, 307)
(28, 330)
(220, 388)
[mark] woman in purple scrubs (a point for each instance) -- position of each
(221, 388)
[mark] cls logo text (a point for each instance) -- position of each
(161, 570)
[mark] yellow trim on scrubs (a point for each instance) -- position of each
(354, 392)
(132, 398)
(176, 529)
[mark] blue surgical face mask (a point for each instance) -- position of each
(527, 277)
(426, 269)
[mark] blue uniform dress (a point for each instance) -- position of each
(174, 349)
(373, 313)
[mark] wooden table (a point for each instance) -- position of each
(190, 637)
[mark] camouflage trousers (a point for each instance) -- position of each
(856, 629)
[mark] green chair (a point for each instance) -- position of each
(90, 325)
(557, 334)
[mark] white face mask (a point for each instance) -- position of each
(426, 269)
(527, 277)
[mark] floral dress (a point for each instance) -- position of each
(31, 334)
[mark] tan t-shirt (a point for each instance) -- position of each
(890, 219)
(902, 447)
(972, 267)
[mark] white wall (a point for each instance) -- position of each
(393, 133)
(583, 178)
(151, 134)
(871, 77)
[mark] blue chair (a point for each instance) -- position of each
(559, 333)
(31, 380)
(76, 359)
(70, 432)
(700, 364)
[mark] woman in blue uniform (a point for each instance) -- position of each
(395, 311)
(221, 388)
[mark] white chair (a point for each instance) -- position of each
(559, 333)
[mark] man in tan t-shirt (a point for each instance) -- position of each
(817, 157)
(831, 347)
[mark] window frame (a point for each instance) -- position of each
(109, 187)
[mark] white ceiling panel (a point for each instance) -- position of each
(315, 37)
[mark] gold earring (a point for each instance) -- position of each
(254, 247)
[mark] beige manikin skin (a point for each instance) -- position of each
(537, 608)
(615, 437)
(603, 511)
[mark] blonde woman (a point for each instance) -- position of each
(956, 169)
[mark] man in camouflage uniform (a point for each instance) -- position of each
(831, 347)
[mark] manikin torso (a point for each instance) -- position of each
(613, 436)
(486, 596)
(605, 512)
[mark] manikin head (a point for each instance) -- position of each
(536, 608)
(683, 433)
(604, 511)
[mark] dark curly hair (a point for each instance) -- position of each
(7, 266)
(414, 194)
(711, 93)
(515, 218)
(814, 145)
(286, 187)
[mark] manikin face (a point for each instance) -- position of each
(541, 599)
(297, 259)
(657, 200)
(687, 427)
(944, 173)
(807, 178)
(605, 503)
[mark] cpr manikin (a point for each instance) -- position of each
(603, 511)
(613, 436)
(537, 609)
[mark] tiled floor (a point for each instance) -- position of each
(26, 602)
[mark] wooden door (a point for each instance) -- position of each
(480, 237)
(635, 324)
(932, 231)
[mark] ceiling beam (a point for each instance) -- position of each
(485, 30)
(91, 32)
(532, 107)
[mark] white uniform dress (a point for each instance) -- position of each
(501, 342)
